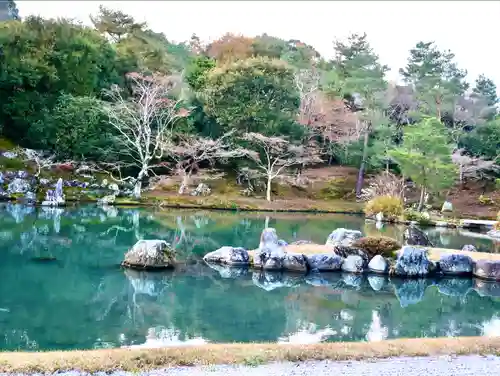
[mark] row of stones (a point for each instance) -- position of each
(411, 261)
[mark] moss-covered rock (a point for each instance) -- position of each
(377, 245)
(150, 254)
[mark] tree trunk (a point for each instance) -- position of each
(138, 183)
(138, 188)
(359, 183)
(268, 189)
(185, 183)
(422, 197)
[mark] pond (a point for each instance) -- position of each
(62, 287)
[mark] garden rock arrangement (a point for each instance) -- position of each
(55, 197)
(150, 254)
(348, 251)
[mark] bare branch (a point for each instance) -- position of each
(190, 151)
(144, 124)
(275, 154)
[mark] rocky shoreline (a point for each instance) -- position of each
(345, 251)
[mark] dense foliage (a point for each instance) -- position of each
(54, 75)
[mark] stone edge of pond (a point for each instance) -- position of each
(479, 261)
(126, 359)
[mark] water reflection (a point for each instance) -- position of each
(62, 287)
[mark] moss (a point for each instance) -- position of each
(421, 218)
(129, 201)
(335, 189)
(6, 145)
(377, 245)
(14, 164)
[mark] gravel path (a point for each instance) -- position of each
(472, 365)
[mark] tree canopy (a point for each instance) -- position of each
(54, 75)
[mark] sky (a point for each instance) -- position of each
(468, 28)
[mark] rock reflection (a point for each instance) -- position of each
(459, 287)
(273, 280)
(307, 333)
(226, 272)
(410, 291)
(166, 337)
(376, 332)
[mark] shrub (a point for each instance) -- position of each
(390, 206)
(485, 200)
(377, 245)
(497, 225)
(422, 218)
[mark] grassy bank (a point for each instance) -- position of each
(250, 354)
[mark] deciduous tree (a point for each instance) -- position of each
(272, 155)
(144, 124)
(189, 151)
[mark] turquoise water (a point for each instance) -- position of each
(62, 287)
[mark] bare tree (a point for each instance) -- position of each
(307, 82)
(144, 123)
(323, 115)
(474, 168)
(190, 151)
(275, 154)
(44, 160)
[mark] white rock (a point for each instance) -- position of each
(378, 264)
(447, 207)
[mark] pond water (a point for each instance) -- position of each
(62, 287)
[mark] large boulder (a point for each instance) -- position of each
(487, 269)
(415, 236)
(294, 262)
(412, 262)
(378, 264)
(447, 207)
(354, 264)
(150, 254)
(268, 238)
(343, 237)
(456, 264)
(274, 262)
(469, 248)
(270, 253)
(232, 256)
(325, 262)
(18, 186)
(55, 197)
